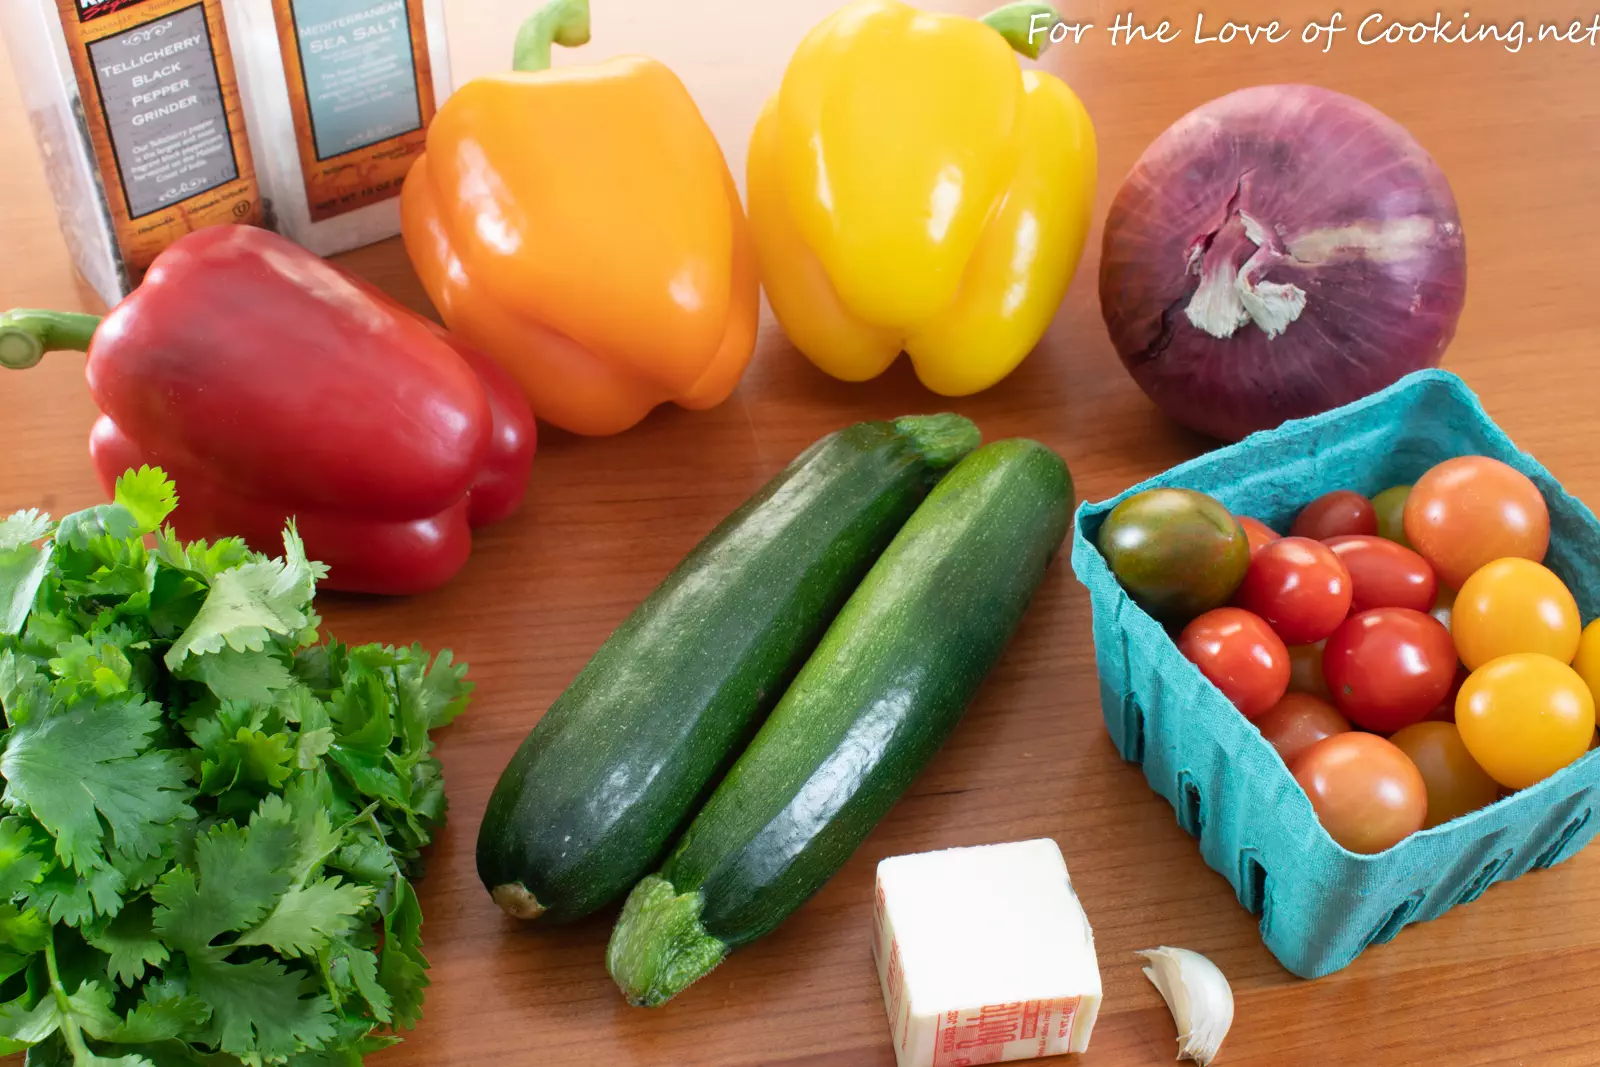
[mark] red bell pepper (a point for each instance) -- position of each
(270, 384)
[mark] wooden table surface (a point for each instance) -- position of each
(1512, 978)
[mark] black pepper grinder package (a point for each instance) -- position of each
(137, 111)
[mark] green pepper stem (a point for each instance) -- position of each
(26, 334)
(1025, 25)
(562, 22)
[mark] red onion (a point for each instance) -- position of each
(1278, 252)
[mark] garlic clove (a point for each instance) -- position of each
(1198, 996)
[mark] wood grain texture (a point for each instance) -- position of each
(1509, 979)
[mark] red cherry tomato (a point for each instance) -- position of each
(1300, 588)
(1473, 510)
(1389, 667)
(1299, 721)
(1260, 534)
(1384, 574)
(1367, 793)
(1241, 656)
(1338, 514)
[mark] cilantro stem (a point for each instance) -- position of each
(69, 1026)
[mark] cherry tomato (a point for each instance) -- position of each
(1445, 606)
(1514, 605)
(1367, 794)
(1524, 717)
(1336, 514)
(1387, 668)
(1456, 784)
(1260, 534)
(1299, 721)
(1587, 662)
(1177, 552)
(1474, 510)
(1241, 656)
(1391, 508)
(1300, 588)
(1305, 670)
(1384, 574)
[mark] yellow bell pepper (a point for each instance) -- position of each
(580, 226)
(911, 188)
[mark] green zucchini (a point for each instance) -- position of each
(607, 778)
(878, 697)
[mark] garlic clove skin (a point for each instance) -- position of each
(1197, 994)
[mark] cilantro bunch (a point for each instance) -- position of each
(208, 820)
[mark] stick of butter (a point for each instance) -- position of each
(984, 955)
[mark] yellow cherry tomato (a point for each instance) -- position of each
(1524, 717)
(1587, 662)
(1514, 605)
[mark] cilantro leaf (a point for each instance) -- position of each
(67, 767)
(107, 522)
(250, 602)
(94, 664)
(24, 528)
(309, 916)
(356, 970)
(234, 675)
(241, 874)
(24, 690)
(258, 1007)
(27, 1024)
(23, 568)
(21, 865)
(149, 497)
(131, 943)
(439, 692)
(248, 758)
(71, 898)
(402, 968)
(23, 935)
(160, 1017)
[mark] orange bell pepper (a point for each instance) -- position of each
(581, 227)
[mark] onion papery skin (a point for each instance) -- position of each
(1349, 238)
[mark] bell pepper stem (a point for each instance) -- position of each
(562, 22)
(1025, 25)
(26, 334)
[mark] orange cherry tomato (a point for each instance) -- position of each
(1367, 793)
(1391, 508)
(1473, 510)
(1305, 670)
(1456, 784)
(1514, 605)
(1260, 534)
(1524, 717)
(1299, 721)
(1240, 655)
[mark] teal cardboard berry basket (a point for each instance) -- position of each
(1320, 905)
